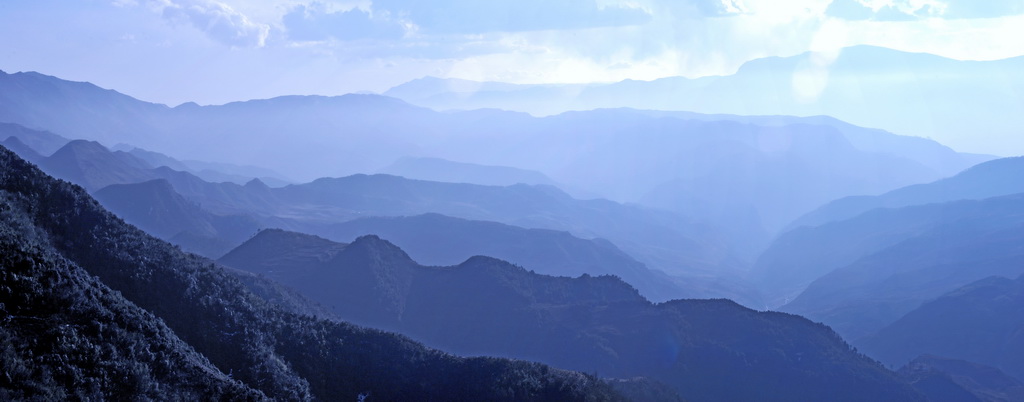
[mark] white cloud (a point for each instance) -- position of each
(319, 21)
(217, 20)
(483, 16)
(964, 39)
(904, 10)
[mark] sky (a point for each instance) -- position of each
(218, 51)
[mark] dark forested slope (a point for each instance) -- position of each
(65, 335)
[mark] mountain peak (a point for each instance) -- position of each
(273, 235)
(256, 184)
(14, 141)
(483, 260)
(370, 238)
(93, 166)
(379, 248)
(161, 188)
(1002, 167)
(84, 145)
(154, 206)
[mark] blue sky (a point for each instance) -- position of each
(217, 51)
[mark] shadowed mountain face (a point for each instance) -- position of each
(847, 231)
(65, 259)
(944, 379)
(933, 249)
(981, 322)
(801, 256)
(989, 179)
(14, 144)
(706, 350)
(94, 166)
(42, 142)
(156, 208)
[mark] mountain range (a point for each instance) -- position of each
(95, 308)
(842, 231)
(746, 177)
(706, 252)
(705, 349)
(211, 218)
(566, 239)
(963, 242)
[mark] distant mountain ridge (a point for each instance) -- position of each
(982, 198)
(961, 242)
(208, 171)
(436, 169)
(660, 239)
(434, 239)
(36, 145)
(989, 179)
(905, 93)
